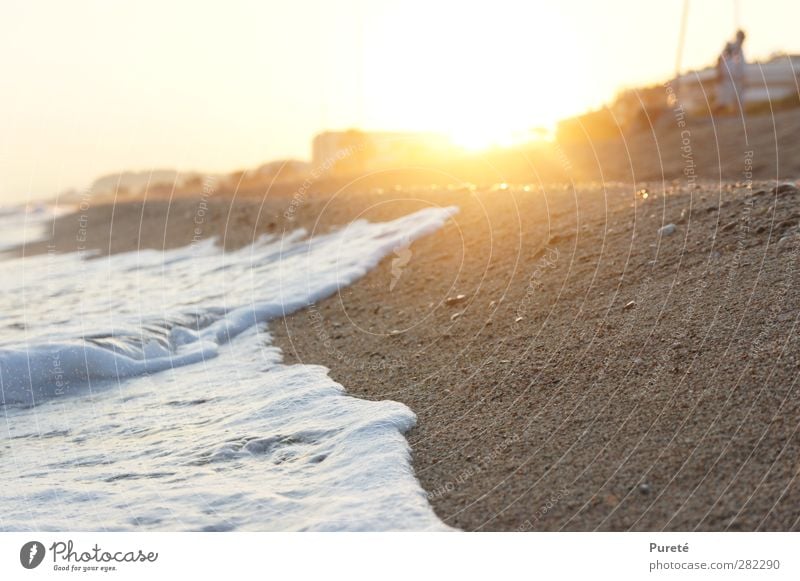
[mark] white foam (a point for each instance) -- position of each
(155, 376)
(308, 271)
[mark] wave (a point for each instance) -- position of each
(148, 396)
(304, 272)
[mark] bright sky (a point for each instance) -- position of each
(88, 88)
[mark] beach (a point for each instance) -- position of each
(450, 270)
(571, 367)
(583, 354)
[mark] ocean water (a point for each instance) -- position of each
(141, 391)
(19, 224)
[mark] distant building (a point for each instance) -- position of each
(341, 153)
(772, 84)
(286, 169)
(773, 81)
(133, 182)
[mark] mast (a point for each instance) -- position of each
(681, 39)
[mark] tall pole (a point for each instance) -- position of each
(681, 38)
(679, 56)
(737, 22)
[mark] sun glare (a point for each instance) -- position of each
(494, 88)
(481, 138)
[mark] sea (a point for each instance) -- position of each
(142, 392)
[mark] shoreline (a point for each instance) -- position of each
(594, 375)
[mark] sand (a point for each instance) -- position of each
(595, 374)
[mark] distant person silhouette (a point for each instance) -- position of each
(731, 76)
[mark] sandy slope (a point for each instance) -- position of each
(596, 375)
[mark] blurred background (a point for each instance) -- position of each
(174, 90)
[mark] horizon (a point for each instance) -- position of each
(198, 93)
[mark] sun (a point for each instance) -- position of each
(478, 139)
(490, 79)
(474, 139)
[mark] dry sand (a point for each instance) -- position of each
(594, 375)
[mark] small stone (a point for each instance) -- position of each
(454, 316)
(645, 488)
(455, 300)
(629, 305)
(784, 189)
(667, 230)
(395, 333)
(518, 319)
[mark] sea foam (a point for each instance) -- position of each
(142, 392)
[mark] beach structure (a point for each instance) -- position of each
(342, 153)
(775, 81)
